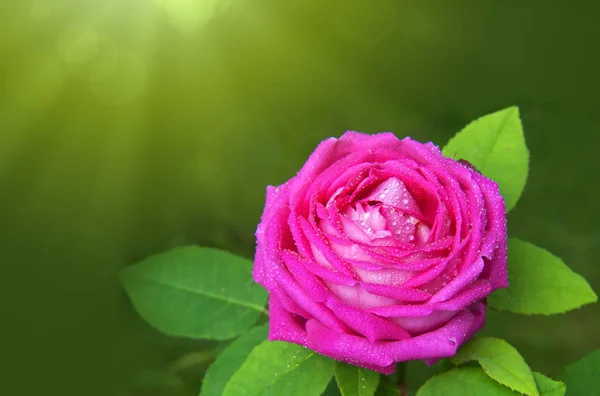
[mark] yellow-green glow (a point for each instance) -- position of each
(190, 15)
(39, 10)
(125, 83)
(89, 54)
(364, 22)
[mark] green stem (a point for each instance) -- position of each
(401, 378)
(191, 359)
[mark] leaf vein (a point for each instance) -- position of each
(487, 157)
(203, 293)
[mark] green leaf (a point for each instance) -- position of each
(230, 360)
(495, 145)
(583, 377)
(354, 380)
(464, 381)
(547, 386)
(540, 283)
(500, 361)
(195, 292)
(281, 368)
(388, 385)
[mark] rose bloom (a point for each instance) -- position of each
(380, 251)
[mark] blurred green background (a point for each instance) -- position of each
(131, 126)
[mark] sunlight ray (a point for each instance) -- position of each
(86, 186)
(36, 80)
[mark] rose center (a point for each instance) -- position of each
(389, 212)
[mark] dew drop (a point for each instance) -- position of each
(404, 201)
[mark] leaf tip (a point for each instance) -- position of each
(514, 108)
(123, 276)
(593, 296)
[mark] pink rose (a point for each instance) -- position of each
(380, 251)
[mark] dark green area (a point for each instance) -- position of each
(583, 376)
(178, 142)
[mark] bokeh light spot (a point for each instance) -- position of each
(89, 54)
(78, 44)
(39, 10)
(189, 15)
(35, 81)
(125, 83)
(364, 22)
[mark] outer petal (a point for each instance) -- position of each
(496, 269)
(284, 326)
(383, 355)
(276, 201)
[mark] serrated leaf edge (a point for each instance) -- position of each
(277, 377)
(458, 368)
(508, 371)
(560, 384)
(510, 111)
(593, 300)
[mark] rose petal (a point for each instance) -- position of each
(284, 326)
(437, 344)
